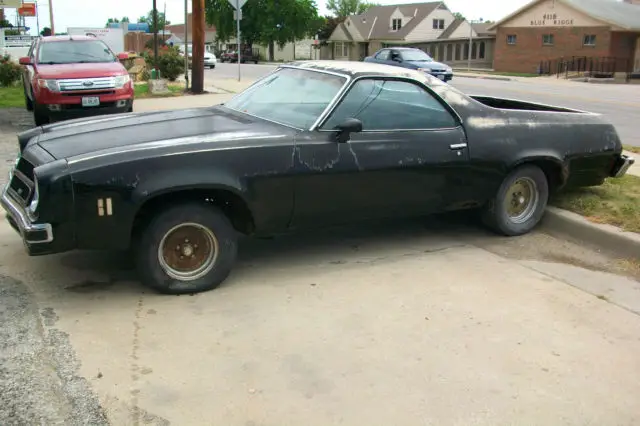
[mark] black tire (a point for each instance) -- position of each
(28, 102)
(495, 214)
(153, 273)
(255, 62)
(40, 117)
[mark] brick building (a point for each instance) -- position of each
(551, 30)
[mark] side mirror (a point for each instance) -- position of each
(123, 56)
(348, 126)
(24, 61)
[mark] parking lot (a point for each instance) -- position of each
(430, 321)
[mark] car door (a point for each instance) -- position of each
(410, 159)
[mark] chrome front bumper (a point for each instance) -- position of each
(622, 166)
(32, 233)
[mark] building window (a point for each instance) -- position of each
(511, 39)
(482, 49)
(547, 39)
(396, 24)
(458, 51)
(438, 24)
(449, 52)
(341, 50)
(589, 40)
(466, 51)
(474, 51)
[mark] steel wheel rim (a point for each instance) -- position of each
(188, 251)
(521, 200)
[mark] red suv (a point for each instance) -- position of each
(74, 76)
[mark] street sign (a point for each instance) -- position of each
(10, 4)
(237, 14)
(27, 9)
(233, 4)
(18, 41)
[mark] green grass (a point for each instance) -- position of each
(634, 149)
(142, 91)
(616, 202)
(11, 97)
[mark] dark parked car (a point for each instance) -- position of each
(411, 58)
(313, 143)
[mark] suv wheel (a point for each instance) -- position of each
(520, 202)
(28, 102)
(188, 248)
(39, 116)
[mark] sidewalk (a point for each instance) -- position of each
(179, 102)
(635, 169)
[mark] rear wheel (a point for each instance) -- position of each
(188, 248)
(520, 202)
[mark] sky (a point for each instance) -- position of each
(94, 13)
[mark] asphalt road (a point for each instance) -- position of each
(619, 103)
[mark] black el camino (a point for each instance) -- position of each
(313, 143)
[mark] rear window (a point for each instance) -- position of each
(79, 51)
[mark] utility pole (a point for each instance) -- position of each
(155, 37)
(186, 44)
(197, 61)
(53, 30)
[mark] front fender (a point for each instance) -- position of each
(186, 179)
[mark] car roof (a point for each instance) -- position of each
(357, 69)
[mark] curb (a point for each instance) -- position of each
(482, 78)
(575, 228)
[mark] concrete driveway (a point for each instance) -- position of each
(416, 323)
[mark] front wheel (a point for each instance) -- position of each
(188, 248)
(39, 117)
(520, 202)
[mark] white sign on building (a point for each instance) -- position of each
(12, 4)
(113, 37)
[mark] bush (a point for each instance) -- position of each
(170, 62)
(10, 72)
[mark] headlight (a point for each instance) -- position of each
(121, 80)
(449, 69)
(33, 206)
(427, 70)
(51, 85)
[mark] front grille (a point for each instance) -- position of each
(90, 93)
(83, 84)
(22, 181)
(26, 168)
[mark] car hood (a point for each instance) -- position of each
(429, 65)
(103, 69)
(124, 132)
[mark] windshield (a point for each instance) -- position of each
(70, 52)
(289, 96)
(416, 56)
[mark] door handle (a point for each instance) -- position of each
(458, 146)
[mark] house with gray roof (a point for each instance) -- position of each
(591, 33)
(430, 26)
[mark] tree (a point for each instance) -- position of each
(459, 15)
(46, 32)
(125, 19)
(111, 21)
(162, 22)
(329, 24)
(344, 8)
(266, 21)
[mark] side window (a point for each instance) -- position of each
(383, 55)
(384, 105)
